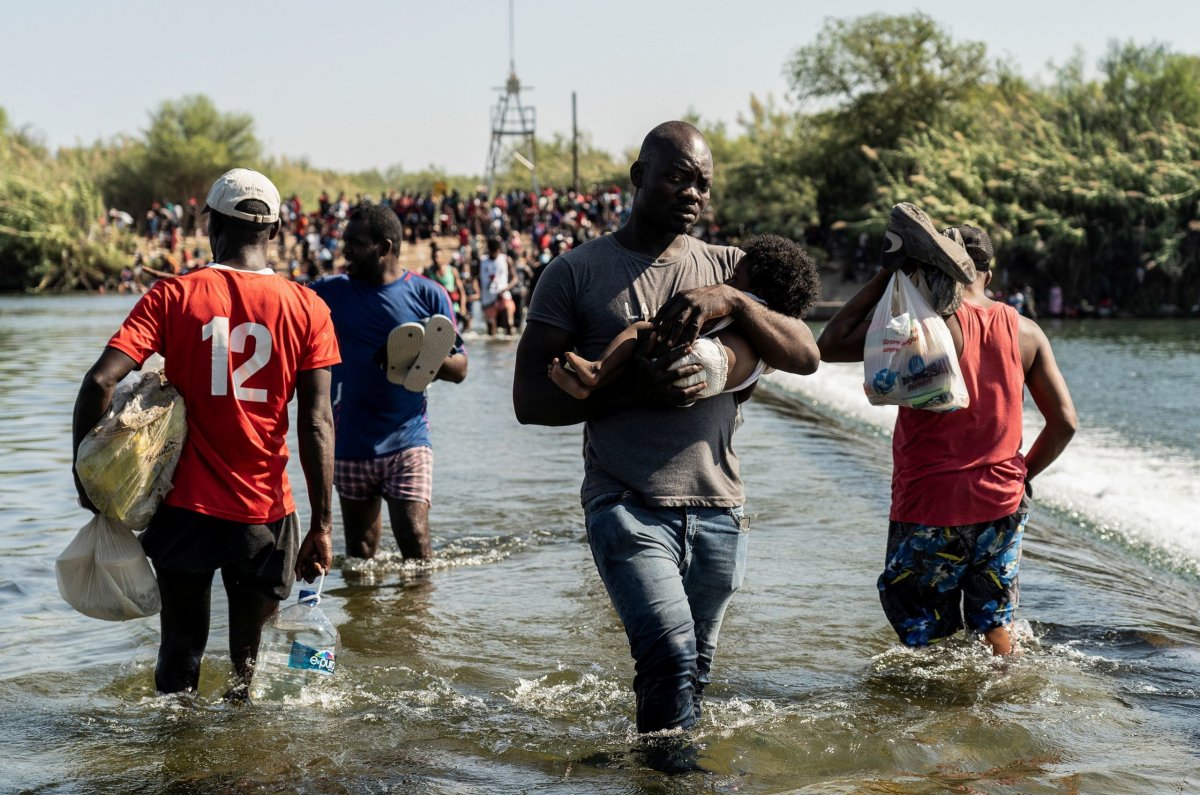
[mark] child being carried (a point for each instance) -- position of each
(774, 271)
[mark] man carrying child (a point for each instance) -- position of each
(661, 493)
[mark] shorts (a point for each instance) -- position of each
(931, 570)
(179, 540)
(406, 475)
(493, 309)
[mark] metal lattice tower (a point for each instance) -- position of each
(513, 124)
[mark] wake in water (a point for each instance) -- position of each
(1140, 496)
(461, 551)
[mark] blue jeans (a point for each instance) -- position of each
(670, 573)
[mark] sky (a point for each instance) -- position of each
(357, 85)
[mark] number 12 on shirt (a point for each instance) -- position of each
(223, 340)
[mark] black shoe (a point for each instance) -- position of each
(911, 235)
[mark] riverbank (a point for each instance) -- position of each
(835, 288)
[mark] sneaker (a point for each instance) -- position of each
(911, 234)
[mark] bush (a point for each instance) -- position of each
(53, 234)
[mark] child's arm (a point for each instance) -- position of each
(585, 376)
(612, 360)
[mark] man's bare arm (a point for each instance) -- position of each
(785, 343)
(845, 335)
(1049, 391)
(536, 399)
(314, 436)
(453, 369)
(93, 400)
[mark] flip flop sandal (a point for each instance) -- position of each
(403, 347)
(437, 345)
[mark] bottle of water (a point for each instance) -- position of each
(298, 648)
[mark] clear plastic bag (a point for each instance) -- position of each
(103, 573)
(909, 357)
(126, 462)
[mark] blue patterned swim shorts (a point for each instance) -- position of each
(936, 575)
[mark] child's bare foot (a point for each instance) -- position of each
(567, 381)
(587, 372)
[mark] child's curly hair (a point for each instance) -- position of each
(782, 273)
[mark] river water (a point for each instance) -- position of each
(503, 668)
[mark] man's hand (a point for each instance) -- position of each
(316, 553)
(653, 376)
(314, 437)
(680, 320)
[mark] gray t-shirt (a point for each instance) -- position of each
(669, 456)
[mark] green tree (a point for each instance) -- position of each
(1145, 86)
(52, 232)
(758, 186)
(188, 144)
(887, 76)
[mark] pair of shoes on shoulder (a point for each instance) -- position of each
(910, 234)
(415, 351)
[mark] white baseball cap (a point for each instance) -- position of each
(239, 184)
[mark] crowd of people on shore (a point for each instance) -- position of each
(448, 235)
(450, 231)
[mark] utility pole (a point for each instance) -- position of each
(574, 146)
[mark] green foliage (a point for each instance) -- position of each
(887, 75)
(1093, 184)
(188, 144)
(1147, 86)
(52, 234)
(1089, 182)
(756, 186)
(1083, 185)
(1084, 218)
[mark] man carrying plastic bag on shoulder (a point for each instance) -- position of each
(959, 479)
(238, 342)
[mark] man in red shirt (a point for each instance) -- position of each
(959, 480)
(238, 342)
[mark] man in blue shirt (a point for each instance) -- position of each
(382, 446)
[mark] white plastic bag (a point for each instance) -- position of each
(909, 357)
(126, 462)
(103, 573)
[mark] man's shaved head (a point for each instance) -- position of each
(672, 178)
(671, 137)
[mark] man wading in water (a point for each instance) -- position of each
(238, 342)
(661, 493)
(959, 481)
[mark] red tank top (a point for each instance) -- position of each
(966, 466)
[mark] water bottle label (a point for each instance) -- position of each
(307, 658)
